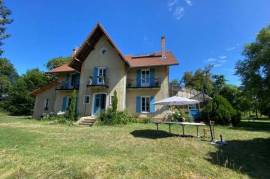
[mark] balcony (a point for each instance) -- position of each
(65, 85)
(99, 82)
(154, 83)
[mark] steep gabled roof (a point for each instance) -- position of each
(89, 45)
(154, 59)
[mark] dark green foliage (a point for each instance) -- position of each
(19, 100)
(72, 115)
(109, 117)
(201, 80)
(56, 62)
(8, 76)
(219, 110)
(114, 101)
(218, 83)
(7, 69)
(4, 20)
(254, 70)
(35, 78)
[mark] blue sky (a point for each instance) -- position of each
(198, 32)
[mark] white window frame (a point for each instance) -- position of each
(144, 110)
(145, 77)
(85, 98)
(101, 71)
(110, 100)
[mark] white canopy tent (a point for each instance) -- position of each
(176, 101)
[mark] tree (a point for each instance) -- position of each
(4, 20)
(219, 83)
(201, 80)
(35, 78)
(220, 110)
(254, 70)
(19, 100)
(72, 112)
(5, 85)
(114, 101)
(56, 62)
(7, 69)
(8, 76)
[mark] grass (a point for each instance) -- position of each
(36, 149)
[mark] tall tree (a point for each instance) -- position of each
(219, 83)
(56, 62)
(201, 80)
(8, 76)
(35, 78)
(254, 70)
(4, 20)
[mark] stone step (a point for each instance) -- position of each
(87, 121)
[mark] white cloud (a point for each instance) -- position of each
(211, 59)
(222, 61)
(189, 2)
(178, 12)
(178, 8)
(230, 49)
(217, 65)
(171, 4)
(222, 57)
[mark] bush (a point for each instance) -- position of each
(110, 117)
(220, 111)
(236, 118)
(72, 112)
(57, 119)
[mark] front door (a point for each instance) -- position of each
(99, 103)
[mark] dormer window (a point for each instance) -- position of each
(103, 51)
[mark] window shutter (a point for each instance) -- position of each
(152, 105)
(152, 77)
(138, 78)
(138, 104)
(95, 74)
(105, 75)
(64, 103)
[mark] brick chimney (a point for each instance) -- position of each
(163, 47)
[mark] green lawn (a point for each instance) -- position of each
(34, 149)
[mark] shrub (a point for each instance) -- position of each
(72, 115)
(109, 117)
(236, 118)
(59, 119)
(219, 110)
(114, 101)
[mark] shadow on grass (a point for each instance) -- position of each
(251, 157)
(151, 134)
(254, 126)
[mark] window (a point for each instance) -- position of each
(145, 77)
(145, 104)
(46, 104)
(103, 51)
(86, 99)
(101, 75)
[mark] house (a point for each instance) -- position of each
(193, 110)
(98, 68)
